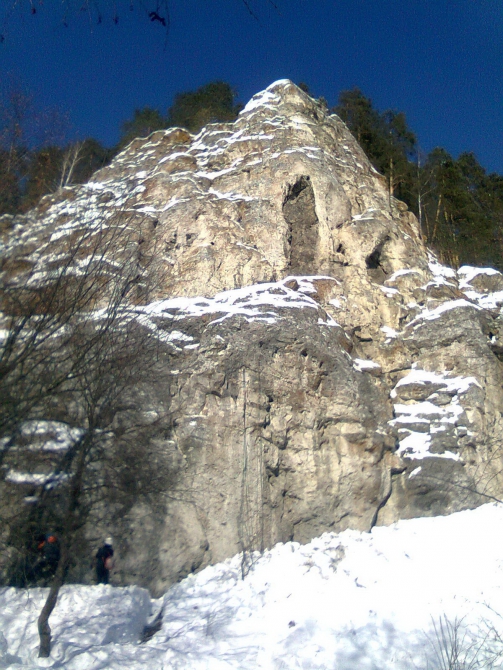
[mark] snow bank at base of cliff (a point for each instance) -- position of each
(352, 600)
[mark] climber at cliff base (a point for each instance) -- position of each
(104, 561)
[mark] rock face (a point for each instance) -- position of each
(321, 369)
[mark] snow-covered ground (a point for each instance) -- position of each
(349, 601)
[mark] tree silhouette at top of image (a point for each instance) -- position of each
(156, 12)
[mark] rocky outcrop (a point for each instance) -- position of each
(321, 369)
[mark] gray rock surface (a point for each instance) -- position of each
(321, 369)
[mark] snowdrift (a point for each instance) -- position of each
(391, 598)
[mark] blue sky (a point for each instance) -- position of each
(439, 61)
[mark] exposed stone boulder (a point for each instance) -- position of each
(321, 370)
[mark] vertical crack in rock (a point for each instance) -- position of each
(299, 210)
(384, 500)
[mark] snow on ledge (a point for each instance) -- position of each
(431, 315)
(42, 435)
(467, 274)
(416, 446)
(390, 333)
(452, 384)
(49, 480)
(362, 365)
(439, 270)
(426, 409)
(259, 302)
(388, 291)
(417, 422)
(486, 300)
(402, 273)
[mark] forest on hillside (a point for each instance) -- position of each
(458, 204)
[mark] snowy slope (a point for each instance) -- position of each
(346, 601)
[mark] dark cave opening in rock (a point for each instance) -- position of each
(299, 210)
(374, 262)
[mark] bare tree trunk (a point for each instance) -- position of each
(391, 179)
(71, 159)
(437, 218)
(455, 252)
(419, 192)
(44, 630)
(427, 227)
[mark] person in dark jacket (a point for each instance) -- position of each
(104, 561)
(52, 553)
(48, 558)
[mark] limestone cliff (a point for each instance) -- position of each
(321, 369)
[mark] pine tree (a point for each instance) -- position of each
(358, 113)
(463, 210)
(399, 144)
(10, 192)
(42, 175)
(208, 104)
(386, 139)
(144, 122)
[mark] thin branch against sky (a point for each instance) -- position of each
(441, 63)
